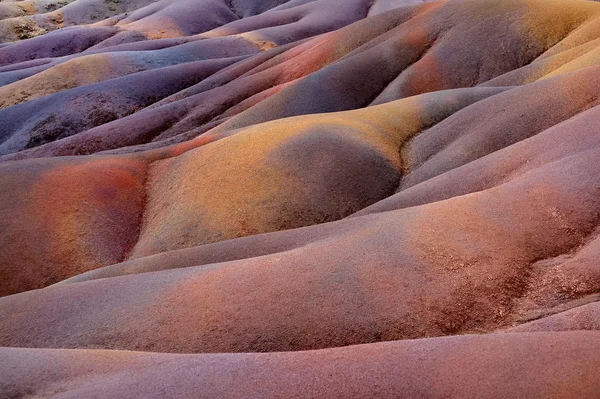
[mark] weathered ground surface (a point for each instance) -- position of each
(311, 198)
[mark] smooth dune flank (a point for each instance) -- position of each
(299, 199)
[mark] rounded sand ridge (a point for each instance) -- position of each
(308, 198)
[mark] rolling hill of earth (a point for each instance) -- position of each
(302, 198)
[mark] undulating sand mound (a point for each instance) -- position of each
(303, 198)
(535, 365)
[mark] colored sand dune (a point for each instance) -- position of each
(303, 198)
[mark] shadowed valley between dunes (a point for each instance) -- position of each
(303, 198)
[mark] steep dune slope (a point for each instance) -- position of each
(390, 198)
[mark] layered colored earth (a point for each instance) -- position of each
(303, 198)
